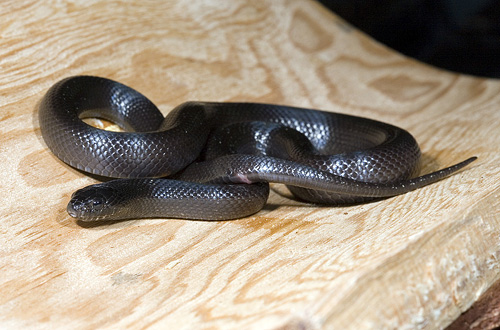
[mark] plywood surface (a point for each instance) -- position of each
(409, 262)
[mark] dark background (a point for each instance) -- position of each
(458, 35)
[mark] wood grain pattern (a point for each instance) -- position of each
(409, 262)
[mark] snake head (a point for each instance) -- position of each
(96, 202)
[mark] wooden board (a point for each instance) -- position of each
(409, 262)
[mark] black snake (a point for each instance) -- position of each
(213, 161)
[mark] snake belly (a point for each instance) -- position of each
(213, 161)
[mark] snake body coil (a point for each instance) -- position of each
(213, 161)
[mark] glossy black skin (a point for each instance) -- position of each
(324, 157)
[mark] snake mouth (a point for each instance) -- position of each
(83, 211)
(76, 209)
(71, 210)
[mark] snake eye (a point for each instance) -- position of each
(97, 203)
(94, 204)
